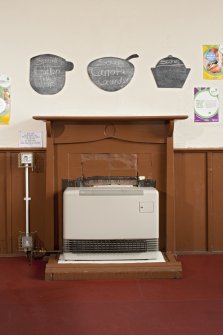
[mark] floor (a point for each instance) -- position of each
(192, 305)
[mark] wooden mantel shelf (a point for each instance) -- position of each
(112, 118)
(168, 119)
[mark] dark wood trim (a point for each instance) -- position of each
(49, 128)
(111, 118)
(170, 269)
(21, 149)
(49, 229)
(170, 197)
(8, 203)
(182, 253)
(176, 150)
(170, 128)
(191, 201)
(210, 235)
(11, 255)
(185, 150)
(149, 141)
(50, 194)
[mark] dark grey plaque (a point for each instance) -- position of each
(111, 73)
(170, 72)
(47, 73)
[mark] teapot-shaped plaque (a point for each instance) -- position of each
(170, 72)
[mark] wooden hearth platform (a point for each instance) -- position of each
(170, 269)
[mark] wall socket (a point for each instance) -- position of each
(27, 242)
(25, 158)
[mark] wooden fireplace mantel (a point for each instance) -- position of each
(111, 118)
(169, 119)
(149, 137)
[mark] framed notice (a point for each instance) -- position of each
(5, 99)
(30, 139)
(206, 104)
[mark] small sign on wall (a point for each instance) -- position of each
(206, 104)
(30, 139)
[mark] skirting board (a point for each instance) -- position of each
(170, 269)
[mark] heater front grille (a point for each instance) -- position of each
(109, 246)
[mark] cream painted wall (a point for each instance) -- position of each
(83, 30)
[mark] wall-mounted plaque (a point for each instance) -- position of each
(111, 73)
(47, 73)
(170, 72)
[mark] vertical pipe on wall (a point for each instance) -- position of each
(27, 198)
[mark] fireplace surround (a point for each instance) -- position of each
(72, 144)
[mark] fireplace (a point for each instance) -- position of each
(87, 146)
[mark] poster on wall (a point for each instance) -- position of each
(213, 61)
(206, 104)
(5, 103)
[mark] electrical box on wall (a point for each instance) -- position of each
(25, 159)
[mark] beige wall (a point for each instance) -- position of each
(83, 30)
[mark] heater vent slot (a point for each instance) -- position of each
(110, 192)
(110, 246)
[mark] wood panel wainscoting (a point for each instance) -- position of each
(198, 209)
(12, 193)
(71, 139)
(199, 214)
